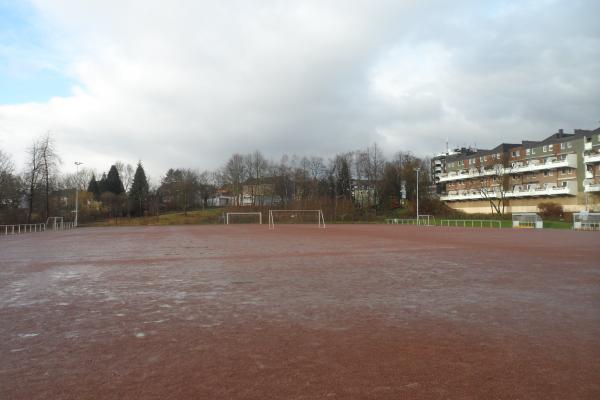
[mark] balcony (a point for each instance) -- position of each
(457, 176)
(467, 195)
(591, 158)
(592, 188)
(569, 162)
(570, 189)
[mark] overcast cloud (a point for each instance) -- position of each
(189, 83)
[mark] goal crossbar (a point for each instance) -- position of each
(243, 213)
(320, 217)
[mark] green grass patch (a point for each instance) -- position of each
(196, 217)
(553, 224)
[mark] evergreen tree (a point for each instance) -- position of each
(94, 187)
(113, 181)
(343, 179)
(139, 190)
(102, 183)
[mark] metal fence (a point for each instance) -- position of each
(424, 220)
(21, 228)
(472, 223)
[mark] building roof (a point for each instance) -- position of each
(557, 137)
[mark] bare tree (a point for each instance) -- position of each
(258, 167)
(7, 169)
(235, 173)
(32, 175)
(493, 187)
(73, 180)
(10, 187)
(126, 172)
(49, 166)
(370, 163)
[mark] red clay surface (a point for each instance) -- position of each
(350, 312)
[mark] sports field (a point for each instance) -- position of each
(347, 312)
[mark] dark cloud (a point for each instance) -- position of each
(190, 84)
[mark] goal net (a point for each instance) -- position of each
(278, 217)
(54, 223)
(243, 218)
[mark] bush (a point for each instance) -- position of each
(550, 209)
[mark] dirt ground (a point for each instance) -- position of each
(348, 312)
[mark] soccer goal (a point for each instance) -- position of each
(54, 223)
(243, 218)
(296, 217)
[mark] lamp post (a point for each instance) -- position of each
(77, 164)
(417, 170)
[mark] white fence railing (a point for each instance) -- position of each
(472, 223)
(411, 221)
(19, 229)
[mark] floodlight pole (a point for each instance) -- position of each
(77, 164)
(417, 170)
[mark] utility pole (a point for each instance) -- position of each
(77, 164)
(417, 170)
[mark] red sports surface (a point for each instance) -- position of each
(351, 311)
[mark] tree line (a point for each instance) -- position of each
(350, 184)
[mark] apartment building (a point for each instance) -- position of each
(438, 166)
(563, 168)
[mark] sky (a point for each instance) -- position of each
(188, 83)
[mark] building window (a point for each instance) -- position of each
(550, 147)
(569, 145)
(528, 152)
(563, 145)
(545, 149)
(532, 151)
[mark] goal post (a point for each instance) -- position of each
(296, 217)
(56, 223)
(229, 220)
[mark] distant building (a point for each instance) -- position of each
(438, 166)
(363, 193)
(222, 198)
(563, 168)
(260, 192)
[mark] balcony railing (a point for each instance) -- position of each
(456, 176)
(591, 158)
(592, 188)
(570, 161)
(469, 195)
(569, 189)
